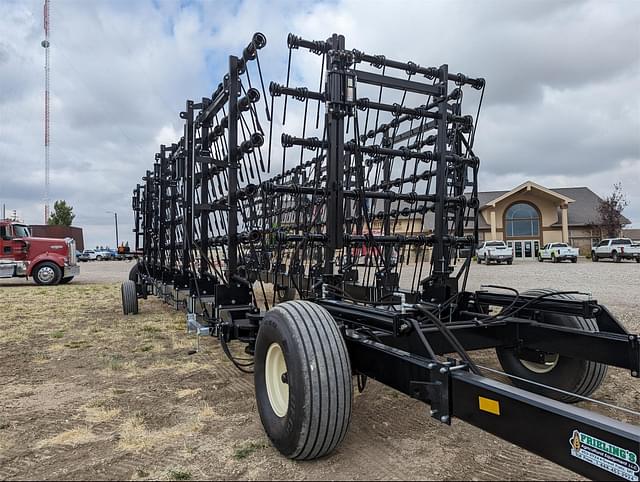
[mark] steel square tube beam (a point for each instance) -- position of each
(613, 349)
(536, 423)
(546, 427)
(395, 83)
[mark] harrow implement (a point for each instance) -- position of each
(330, 229)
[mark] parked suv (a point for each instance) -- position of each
(617, 249)
(497, 251)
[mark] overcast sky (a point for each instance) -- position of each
(562, 106)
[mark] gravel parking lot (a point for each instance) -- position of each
(91, 272)
(89, 393)
(608, 282)
(613, 284)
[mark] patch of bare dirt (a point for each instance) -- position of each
(88, 393)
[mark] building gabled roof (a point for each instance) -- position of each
(486, 197)
(582, 211)
(528, 185)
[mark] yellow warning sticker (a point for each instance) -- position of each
(488, 405)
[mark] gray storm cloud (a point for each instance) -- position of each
(561, 105)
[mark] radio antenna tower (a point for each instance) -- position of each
(45, 44)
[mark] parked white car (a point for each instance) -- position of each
(497, 251)
(557, 252)
(87, 255)
(617, 249)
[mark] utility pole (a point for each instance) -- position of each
(45, 44)
(117, 241)
(115, 216)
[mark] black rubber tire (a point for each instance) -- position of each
(486, 260)
(478, 259)
(134, 273)
(572, 375)
(129, 298)
(319, 378)
(66, 280)
(594, 257)
(616, 257)
(540, 258)
(57, 274)
(637, 260)
(509, 261)
(574, 260)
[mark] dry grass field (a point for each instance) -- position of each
(88, 393)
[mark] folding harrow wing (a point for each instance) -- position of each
(330, 228)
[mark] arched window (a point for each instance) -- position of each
(522, 220)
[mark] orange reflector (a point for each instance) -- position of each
(488, 405)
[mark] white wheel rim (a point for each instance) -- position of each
(545, 367)
(46, 274)
(275, 373)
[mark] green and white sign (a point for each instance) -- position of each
(609, 457)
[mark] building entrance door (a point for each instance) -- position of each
(525, 249)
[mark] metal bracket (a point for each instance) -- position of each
(635, 355)
(194, 327)
(401, 326)
(435, 392)
(535, 356)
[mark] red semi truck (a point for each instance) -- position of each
(49, 261)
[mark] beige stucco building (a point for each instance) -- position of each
(526, 217)
(634, 234)
(531, 215)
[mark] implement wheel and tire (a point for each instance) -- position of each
(580, 377)
(594, 257)
(134, 273)
(302, 380)
(129, 298)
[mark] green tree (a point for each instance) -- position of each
(62, 214)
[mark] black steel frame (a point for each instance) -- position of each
(214, 226)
